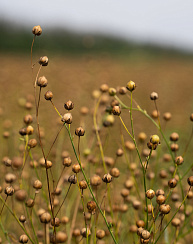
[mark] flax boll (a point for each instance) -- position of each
(67, 161)
(190, 181)
(155, 139)
(150, 194)
(82, 184)
(42, 81)
(9, 191)
(116, 110)
(79, 131)
(179, 160)
(85, 232)
(37, 184)
(48, 95)
(37, 30)
(45, 218)
(100, 234)
(61, 237)
(23, 239)
(131, 86)
(69, 105)
(28, 119)
(55, 222)
(115, 172)
(104, 88)
(32, 143)
(167, 116)
(112, 91)
(154, 96)
(165, 208)
(95, 180)
(174, 136)
(43, 61)
(72, 179)
(91, 206)
(67, 118)
(76, 168)
(107, 178)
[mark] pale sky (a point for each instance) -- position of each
(168, 22)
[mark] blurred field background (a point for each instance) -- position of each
(80, 63)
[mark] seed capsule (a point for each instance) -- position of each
(9, 190)
(42, 81)
(69, 105)
(172, 183)
(190, 181)
(43, 61)
(32, 143)
(155, 139)
(67, 118)
(79, 131)
(37, 30)
(107, 178)
(72, 179)
(37, 184)
(131, 86)
(154, 96)
(23, 239)
(100, 234)
(104, 87)
(48, 95)
(82, 184)
(91, 206)
(45, 218)
(116, 110)
(76, 168)
(85, 232)
(112, 91)
(67, 161)
(179, 160)
(165, 208)
(150, 194)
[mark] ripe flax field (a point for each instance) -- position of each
(79, 78)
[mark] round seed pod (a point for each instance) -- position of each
(145, 234)
(69, 105)
(100, 234)
(29, 130)
(37, 30)
(136, 204)
(155, 139)
(91, 206)
(82, 184)
(175, 197)
(23, 131)
(190, 195)
(174, 147)
(159, 192)
(140, 223)
(7, 161)
(30, 203)
(155, 114)
(67, 118)
(61, 237)
(115, 172)
(130, 145)
(43, 61)
(23, 239)
(9, 191)
(72, 179)
(152, 146)
(190, 181)
(76, 232)
(123, 208)
(167, 116)
(37, 184)
(114, 103)
(191, 117)
(28, 119)
(153, 96)
(20, 195)
(160, 199)
(109, 161)
(84, 111)
(179, 160)
(139, 231)
(6, 134)
(112, 91)
(22, 219)
(165, 208)
(119, 152)
(142, 137)
(143, 241)
(163, 174)
(17, 162)
(104, 88)
(133, 228)
(9, 178)
(176, 222)
(79, 131)
(131, 86)
(122, 90)
(76, 168)
(95, 180)
(174, 136)
(129, 184)
(151, 175)
(116, 110)
(48, 95)
(45, 218)
(125, 192)
(42, 81)
(32, 143)
(85, 232)
(28, 105)
(67, 161)
(167, 157)
(64, 220)
(150, 194)
(172, 183)
(55, 222)
(107, 178)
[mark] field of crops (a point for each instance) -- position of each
(95, 159)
